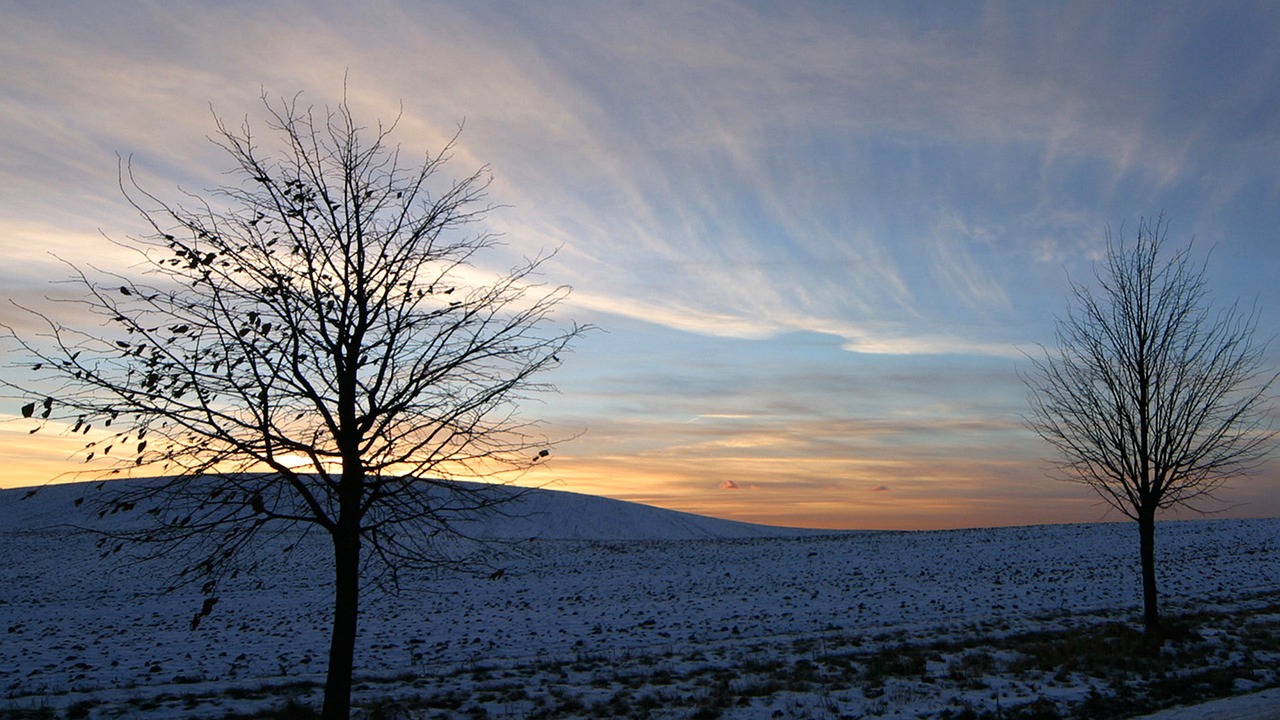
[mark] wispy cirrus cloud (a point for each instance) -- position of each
(726, 170)
(818, 232)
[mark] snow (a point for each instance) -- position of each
(1264, 705)
(597, 584)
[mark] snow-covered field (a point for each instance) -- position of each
(611, 609)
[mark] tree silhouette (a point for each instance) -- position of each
(311, 345)
(1151, 397)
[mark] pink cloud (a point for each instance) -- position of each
(728, 485)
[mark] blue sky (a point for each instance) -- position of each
(819, 236)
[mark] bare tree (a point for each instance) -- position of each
(1151, 397)
(310, 346)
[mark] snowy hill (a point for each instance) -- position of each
(534, 514)
(561, 515)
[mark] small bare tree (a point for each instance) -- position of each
(1152, 398)
(309, 346)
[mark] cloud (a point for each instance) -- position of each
(880, 488)
(728, 485)
(723, 182)
(724, 172)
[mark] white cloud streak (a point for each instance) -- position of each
(718, 168)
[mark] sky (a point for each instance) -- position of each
(819, 238)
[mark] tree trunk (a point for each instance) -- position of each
(342, 643)
(1147, 535)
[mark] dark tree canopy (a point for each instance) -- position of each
(1151, 397)
(309, 344)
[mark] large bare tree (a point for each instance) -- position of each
(1151, 397)
(310, 344)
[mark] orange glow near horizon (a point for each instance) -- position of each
(822, 493)
(851, 495)
(815, 267)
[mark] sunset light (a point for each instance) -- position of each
(817, 241)
(654, 359)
